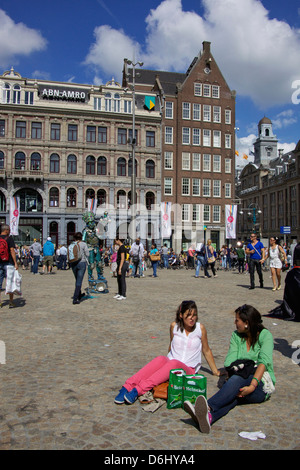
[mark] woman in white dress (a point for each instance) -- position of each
(275, 252)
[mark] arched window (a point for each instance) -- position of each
(90, 165)
(54, 197)
(108, 102)
(130, 167)
(150, 200)
(1, 160)
(121, 167)
(71, 197)
(121, 199)
(6, 93)
(35, 161)
(89, 194)
(101, 197)
(72, 164)
(71, 228)
(117, 101)
(150, 169)
(101, 166)
(30, 200)
(267, 132)
(2, 202)
(54, 163)
(129, 199)
(20, 161)
(17, 94)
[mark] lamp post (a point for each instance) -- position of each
(133, 144)
(252, 210)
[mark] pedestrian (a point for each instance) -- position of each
(256, 251)
(188, 339)
(63, 252)
(240, 257)
(7, 258)
(275, 252)
(211, 259)
(154, 257)
(79, 267)
(165, 256)
(122, 266)
(113, 263)
(251, 345)
(36, 248)
(201, 260)
(137, 252)
(48, 253)
(223, 256)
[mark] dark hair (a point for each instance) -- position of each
(277, 241)
(186, 305)
(78, 236)
(249, 314)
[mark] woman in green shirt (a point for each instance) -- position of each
(250, 341)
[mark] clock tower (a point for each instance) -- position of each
(265, 147)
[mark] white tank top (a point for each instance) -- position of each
(187, 348)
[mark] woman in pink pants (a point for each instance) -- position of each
(188, 339)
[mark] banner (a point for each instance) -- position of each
(166, 230)
(92, 205)
(14, 215)
(230, 221)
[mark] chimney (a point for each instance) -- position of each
(206, 46)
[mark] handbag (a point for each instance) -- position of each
(161, 391)
(155, 257)
(212, 259)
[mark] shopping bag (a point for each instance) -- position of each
(193, 386)
(13, 281)
(175, 389)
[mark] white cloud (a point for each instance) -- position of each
(284, 119)
(244, 145)
(258, 56)
(17, 39)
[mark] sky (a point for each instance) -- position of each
(256, 44)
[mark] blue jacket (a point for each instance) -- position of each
(48, 248)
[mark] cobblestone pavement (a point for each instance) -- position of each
(65, 364)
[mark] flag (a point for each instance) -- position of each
(14, 215)
(150, 102)
(237, 153)
(166, 230)
(245, 157)
(230, 220)
(92, 205)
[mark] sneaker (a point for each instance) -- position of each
(119, 400)
(202, 414)
(117, 296)
(121, 297)
(190, 409)
(130, 397)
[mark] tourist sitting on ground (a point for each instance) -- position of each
(188, 339)
(251, 345)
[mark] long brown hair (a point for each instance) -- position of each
(186, 305)
(249, 314)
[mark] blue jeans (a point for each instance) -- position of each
(154, 266)
(226, 398)
(35, 266)
(166, 261)
(3, 269)
(201, 262)
(78, 271)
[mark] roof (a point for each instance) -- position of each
(265, 120)
(168, 80)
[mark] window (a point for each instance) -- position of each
(206, 90)
(35, 161)
(206, 188)
(227, 165)
(121, 200)
(6, 93)
(150, 200)
(72, 164)
(121, 167)
(206, 113)
(54, 197)
(122, 136)
(91, 134)
(206, 138)
(20, 161)
(217, 188)
(215, 91)
(196, 212)
(206, 213)
(101, 197)
(97, 104)
(198, 89)
(185, 214)
(185, 186)
(108, 102)
(71, 197)
(168, 184)
(72, 132)
(168, 160)
(102, 135)
(196, 161)
(216, 214)
(17, 94)
(150, 139)
(186, 135)
(54, 163)
(130, 136)
(186, 111)
(89, 194)
(196, 112)
(20, 129)
(227, 141)
(217, 114)
(101, 166)
(55, 131)
(217, 163)
(127, 107)
(186, 157)
(169, 110)
(196, 187)
(90, 165)
(2, 128)
(227, 189)
(196, 136)
(206, 162)
(217, 138)
(117, 103)
(36, 130)
(130, 167)
(150, 169)
(227, 116)
(168, 135)
(1, 160)
(28, 97)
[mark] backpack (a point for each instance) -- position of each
(74, 252)
(4, 253)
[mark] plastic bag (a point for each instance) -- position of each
(13, 281)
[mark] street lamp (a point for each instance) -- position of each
(133, 144)
(252, 210)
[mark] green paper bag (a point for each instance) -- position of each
(175, 389)
(193, 386)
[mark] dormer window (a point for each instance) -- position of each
(17, 94)
(6, 93)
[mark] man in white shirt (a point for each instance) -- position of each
(137, 252)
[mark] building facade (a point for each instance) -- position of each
(63, 143)
(198, 154)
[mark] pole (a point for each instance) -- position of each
(133, 175)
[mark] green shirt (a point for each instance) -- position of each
(261, 352)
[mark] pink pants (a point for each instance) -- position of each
(154, 373)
